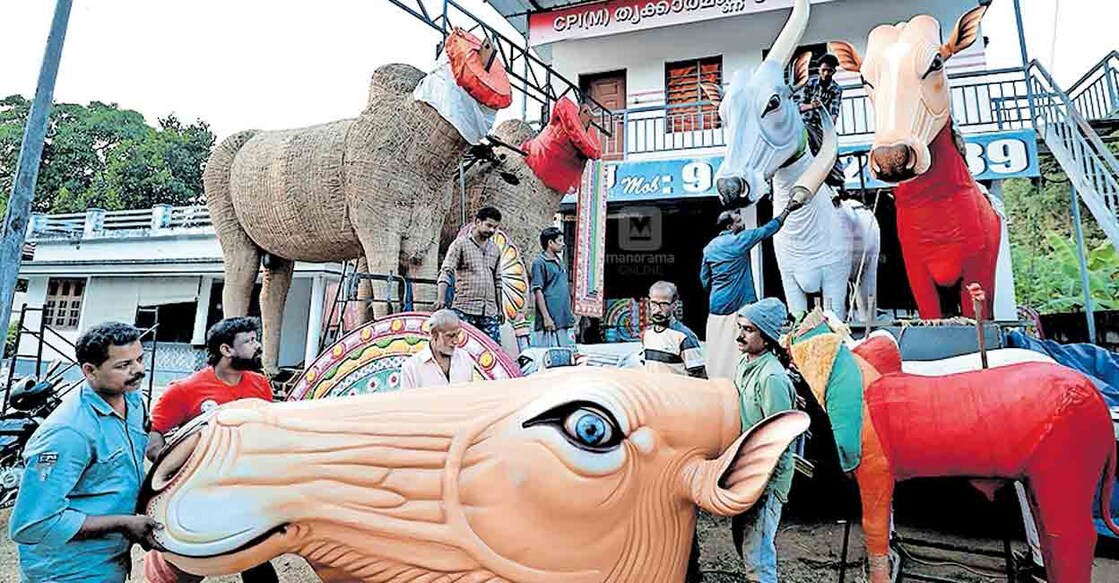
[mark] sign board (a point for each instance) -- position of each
(618, 16)
(651, 180)
(1011, 154)
(994, 156)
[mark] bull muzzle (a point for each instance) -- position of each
(731, 189)
(896, 163)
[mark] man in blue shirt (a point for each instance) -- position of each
(552, 293)
(74, 518)
(729, 280)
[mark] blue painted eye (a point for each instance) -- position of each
(583, 424)
(588, 428)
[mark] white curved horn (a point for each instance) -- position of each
(813, 177)
(786, 43)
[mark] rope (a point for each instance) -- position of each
(862, 261)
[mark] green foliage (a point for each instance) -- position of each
(1043, 247)
(99, 155)
(11, 339)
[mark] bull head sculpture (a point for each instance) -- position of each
(573, 477)
(764, 122)
(904, 76)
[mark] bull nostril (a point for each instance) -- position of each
(912, 156)
(168, 466)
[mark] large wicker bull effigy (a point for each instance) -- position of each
(1036, 422)
(949, 231)
(587, 475)
(378, 187)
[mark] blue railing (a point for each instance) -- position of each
(1096, 94)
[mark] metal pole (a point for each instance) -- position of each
(1025, 57)
(1088, 311)
(14, 228)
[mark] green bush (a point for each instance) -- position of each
(11, 340)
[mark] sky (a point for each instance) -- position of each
(271, 64)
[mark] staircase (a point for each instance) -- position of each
(1074, 143)
(1096, 94)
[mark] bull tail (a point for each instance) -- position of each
(1106, 491)
(215, 179)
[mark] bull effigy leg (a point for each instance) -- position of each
(273, 295)
(1062, 483)
(240, 255)
(876, 490)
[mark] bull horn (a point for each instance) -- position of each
(813, 177)
(787, 41)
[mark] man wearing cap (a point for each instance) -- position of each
(764, 389)
(729, 282)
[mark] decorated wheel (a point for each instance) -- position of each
(625, 317)
(368, 360)
(514, 279)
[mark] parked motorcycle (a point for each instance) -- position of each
(29, 403)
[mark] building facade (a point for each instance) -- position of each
(158, 267)
(645, 61)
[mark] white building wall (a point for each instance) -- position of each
(740, 40)
(293, 333)
(114, 249)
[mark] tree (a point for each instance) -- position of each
(99, 155)
(1043, 248)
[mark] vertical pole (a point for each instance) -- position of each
(14, 228)
(314, 320)
(15, 357)
(1025, 56)
(1080, 255)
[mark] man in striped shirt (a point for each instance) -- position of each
(669, 346)
(474, 263)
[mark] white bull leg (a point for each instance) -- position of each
(795, 297)
(834, 288)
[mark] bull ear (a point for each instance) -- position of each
(800, 69)
(731, 484)
(965, 33)
(849, 57)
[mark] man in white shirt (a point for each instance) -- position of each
(439, 364)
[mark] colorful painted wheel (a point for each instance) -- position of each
(368, 360)
(514, 279)
(625, 317)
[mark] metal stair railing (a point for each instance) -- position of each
(1096, 94)
(1081, 153)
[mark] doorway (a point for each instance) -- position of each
(609, 89)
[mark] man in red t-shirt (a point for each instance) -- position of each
(234, 352)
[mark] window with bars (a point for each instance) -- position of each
(63, 308)
(687, 107)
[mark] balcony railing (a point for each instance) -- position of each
(96, 223)
(644, 130)
(984, 101)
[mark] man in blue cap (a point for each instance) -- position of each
(764, 389)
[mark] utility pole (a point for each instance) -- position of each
(1088, 311)
(1025, 55)
(14, 228)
